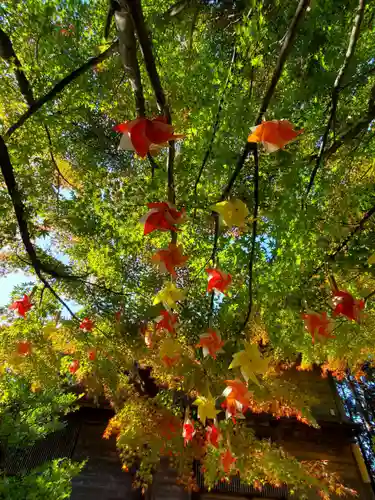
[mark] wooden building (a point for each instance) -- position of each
(103, 479)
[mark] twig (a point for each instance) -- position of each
(359, 227)
(216, 123)
(254, 233)
(371, 294)
(284, 52)
(49, 96)
(53, 158)
(336, 89)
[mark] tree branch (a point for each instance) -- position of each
(49, 96)
(216, 123)
(359, 227)
(8, 54)
(20, 211)
(144, 39)
(284, 52)
(128, 53)
(135, 8)
(352, 132)
(254, 233)
(336, 89)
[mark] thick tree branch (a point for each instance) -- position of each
(135, 8)
(128, 53)
(144, 39)
(8, 54)
(20, 211)
(284, 52)
(60, 86)
(336, 89)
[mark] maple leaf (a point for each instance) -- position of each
(24, 348)
(274, 134)
(318, 324)
(211, 343)
(162, 216)
(91, 353)
(86, 325)
(74, 365)
(227, 460)
(143, 135)
(233, 212)
(170, 352)
(188, 431)
(170, 258)
(22, 305)
(238, 390)
(206, 408)
(347, 305)
(218, 280)
(213, 435)
(169, 295)
(166, 321)
(250, 362)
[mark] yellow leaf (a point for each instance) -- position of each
(67, 171)
(371, 260)
(250, 362)
(206, 408)
(233, 212)
(169, 295)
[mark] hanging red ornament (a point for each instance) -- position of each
(24, 348)
(188, 431)
(74, 365)
(143, 135)
(86, 325)
(163, 216)
(22, 306)
(347, 305)
(211, 343)
(218, 280)
(166, 321)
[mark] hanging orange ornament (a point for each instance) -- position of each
(318, 324)
(227, 461)
(211, 343)
(168, 259)
(274, 134)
